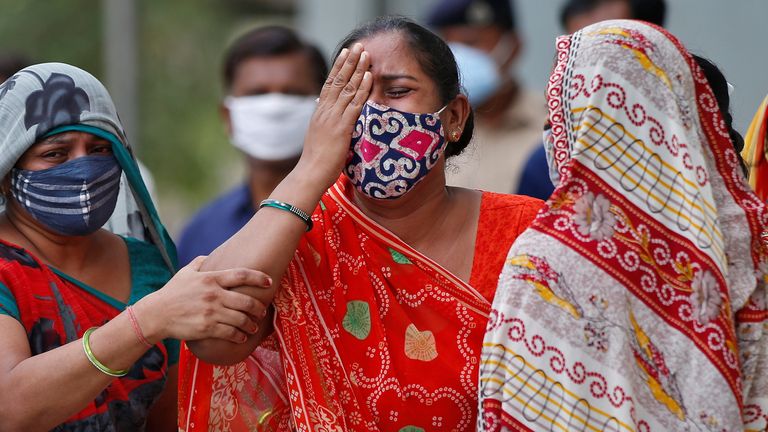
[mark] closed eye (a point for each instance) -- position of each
(397, 92)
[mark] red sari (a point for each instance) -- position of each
(369, 333)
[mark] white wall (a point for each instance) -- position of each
(730, 33)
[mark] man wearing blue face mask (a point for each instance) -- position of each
(483, 38)
(271, 80)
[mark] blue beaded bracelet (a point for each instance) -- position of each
(290, 209)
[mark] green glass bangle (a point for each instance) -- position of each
(94, 361)
(290, 209)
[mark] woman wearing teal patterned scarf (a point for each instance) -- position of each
(87, 318)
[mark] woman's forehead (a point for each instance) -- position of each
(69, 137)
(390, 53)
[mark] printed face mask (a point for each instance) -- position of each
(392, 150)
(272, 126)
(75, 198)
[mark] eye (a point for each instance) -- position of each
(397, 92)
(102, 149)
(54, 154)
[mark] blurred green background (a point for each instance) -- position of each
(179, 137)
(179, 47)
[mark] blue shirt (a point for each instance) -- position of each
(215, 223)
(535, 179)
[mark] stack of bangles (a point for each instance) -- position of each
(290, 209)
(101, 366)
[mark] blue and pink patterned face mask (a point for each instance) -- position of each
(391, 150)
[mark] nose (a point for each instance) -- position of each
(79, 146)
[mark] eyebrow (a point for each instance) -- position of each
(392, 77)
(55, 139)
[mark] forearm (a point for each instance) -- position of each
(44, 390)
(268, 241)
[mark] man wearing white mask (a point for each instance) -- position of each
(271, 80)
(484, 40)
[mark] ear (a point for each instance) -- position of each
(455, 117)
(226, 118)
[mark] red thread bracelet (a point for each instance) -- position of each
(136, 328)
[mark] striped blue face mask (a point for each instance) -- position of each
(75, 198)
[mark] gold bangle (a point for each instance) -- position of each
(94, 361)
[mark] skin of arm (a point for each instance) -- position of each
(41, 391)
(29, 398)
(278, 232)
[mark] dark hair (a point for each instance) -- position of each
(719, 87)
(10, 63)
(434, 57)
(652, 11)
(271, 41)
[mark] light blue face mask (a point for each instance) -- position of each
(75, 198)
(479, 73)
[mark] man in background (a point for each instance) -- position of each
(508, 118)
(577, 14)
(271, 80)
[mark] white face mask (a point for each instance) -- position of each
(270, 126)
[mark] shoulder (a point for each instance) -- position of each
(17, 266)
(12, 255)
(507, 213)
(493, 202)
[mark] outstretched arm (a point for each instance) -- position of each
(41, 391)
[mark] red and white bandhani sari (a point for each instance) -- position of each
(370, 334)
(637, 299)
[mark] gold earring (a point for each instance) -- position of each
(456, 135)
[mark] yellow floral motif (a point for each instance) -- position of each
(659, 379)
(641, 56)
(549, 290)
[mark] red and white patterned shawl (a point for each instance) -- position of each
(637, 299)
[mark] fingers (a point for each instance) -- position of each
(334, 86)
(241, 302)
(352, 111)
(242, 321)
(263, 295)
(334, 71)
(352, 86)
(230, 333)
(241, 277)
(195, 264)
